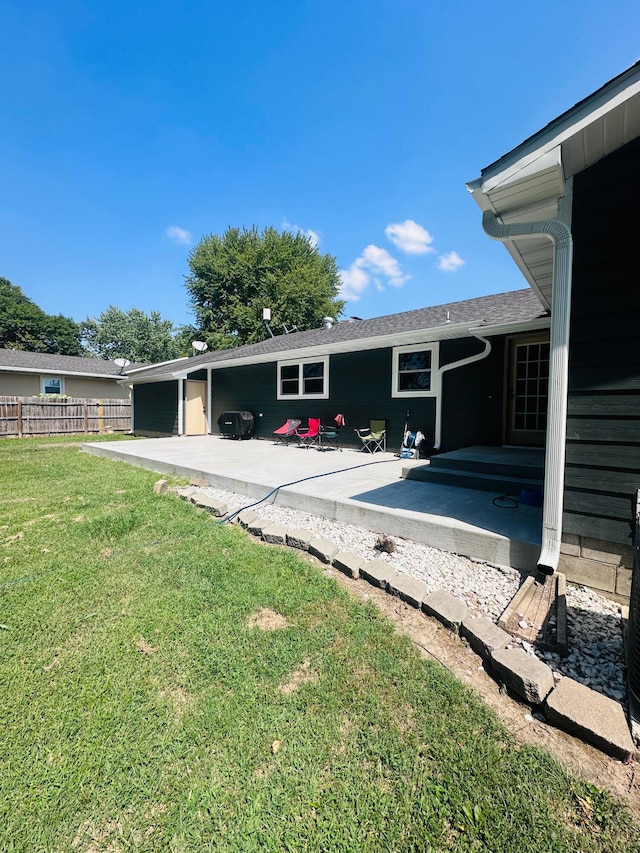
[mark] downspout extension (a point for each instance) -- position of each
(455, 364)
(555, 452)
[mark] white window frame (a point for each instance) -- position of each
(300, 362)
(45, 379)
(434, 348)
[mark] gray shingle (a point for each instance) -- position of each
(512, 307)
(18, 360)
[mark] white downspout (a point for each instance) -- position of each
(560, 235)
(455, 364)
(181, 429)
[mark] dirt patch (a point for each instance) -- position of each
(267, 620)
(436, 642)
(302, 675)
(145, 647)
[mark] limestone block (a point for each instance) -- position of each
(212, 505)
(298, 538)
(160, 487)
(528, 677)
(484, 636)
(257, 525)
(446, 608)
(376, 572)
(410, 590)
(348, 563)
(276, 534)
(590, 716)
(323, 549)
(246, 517)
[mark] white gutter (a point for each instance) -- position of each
(560, 235)
(454, 365)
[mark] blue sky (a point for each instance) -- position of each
(130, 130)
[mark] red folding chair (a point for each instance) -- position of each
(286, 432)
(311, 436)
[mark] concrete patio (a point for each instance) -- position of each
(356, 488)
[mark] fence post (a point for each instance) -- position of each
(85, 415)
(19, 418)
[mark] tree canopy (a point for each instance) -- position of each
(235, 276)
(25, 326)
(133, 335)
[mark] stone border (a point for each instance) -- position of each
(569, 705)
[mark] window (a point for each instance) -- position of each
(304, 379)
(415, 371)
(52, 385)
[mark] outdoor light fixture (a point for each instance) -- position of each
(199, 346)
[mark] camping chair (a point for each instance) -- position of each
(330, 435)
(286, 431)
(374, 437)
(311, 436)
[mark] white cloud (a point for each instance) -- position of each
(374, 266)
(178, 235)
(410, 237)
(450, 262)
(313, 236)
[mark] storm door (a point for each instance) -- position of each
(527, 391)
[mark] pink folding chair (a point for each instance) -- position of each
(310, 436)
(286, 432)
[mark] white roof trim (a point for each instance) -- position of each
(45, 372)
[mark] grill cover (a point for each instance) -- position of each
(236, 424)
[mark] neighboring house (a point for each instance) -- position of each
(29, 374)
(565, 204)
(444, 369)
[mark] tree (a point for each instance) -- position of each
(133, 335)
(235, 276)
(25, 326)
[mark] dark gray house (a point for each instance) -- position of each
(449, 367)
(565, 205)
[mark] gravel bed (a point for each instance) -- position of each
(596, 650)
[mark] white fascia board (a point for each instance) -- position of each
(45, 372)
(159, 364)
(512, 328)
(577, 120)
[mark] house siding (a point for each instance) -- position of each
(155, 408)
(360, 388)
(603, 427)
(29, 385)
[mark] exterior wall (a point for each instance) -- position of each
(360, 388)
(29, 385)
(155, 408)
(473, 396)
(603, 429)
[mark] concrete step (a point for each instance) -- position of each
(528, 464)
(501, 484)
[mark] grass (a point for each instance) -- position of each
(167, 684)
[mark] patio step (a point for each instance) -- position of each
(493, 469)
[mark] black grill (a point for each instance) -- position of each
(236, 424)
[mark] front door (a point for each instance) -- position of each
(527, 391)
(196, 407)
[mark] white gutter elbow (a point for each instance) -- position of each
(555, 453)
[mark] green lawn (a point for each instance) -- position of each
(166, 684)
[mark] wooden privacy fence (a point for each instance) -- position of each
(24, 416)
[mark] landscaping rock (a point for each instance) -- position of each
(200, 482)
(446, 608)
(185, 492)
(257, 525)
(160, 487)
(323, 549)
(409, 589)
(348, 564)
(246, 517)
(276, 534)
(299, 538)
(527, 676)
(376, 572)
(484, 636)
(211, 505)
(591, 716)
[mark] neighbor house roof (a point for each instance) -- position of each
(18, 361)
(451, 320)
(529, 183)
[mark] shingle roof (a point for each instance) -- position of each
(17, 360)
(513, 307)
